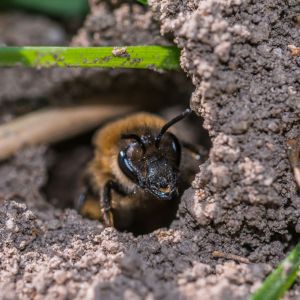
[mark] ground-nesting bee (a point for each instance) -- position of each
(139, 170)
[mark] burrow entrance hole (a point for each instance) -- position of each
(68, 159)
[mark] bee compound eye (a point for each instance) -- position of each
(126, 166)
(170, 142)
(176, 146)
(135, 151)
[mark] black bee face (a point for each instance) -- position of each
(152, 166)
(161, 179)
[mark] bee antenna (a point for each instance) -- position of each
(171, 123)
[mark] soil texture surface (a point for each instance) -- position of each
(241, 77)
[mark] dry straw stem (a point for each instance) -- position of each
(52, 125)
(238, 258)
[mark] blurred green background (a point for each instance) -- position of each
(63, 9)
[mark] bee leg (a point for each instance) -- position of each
(87, 204)
(105, 200)
(81, 200)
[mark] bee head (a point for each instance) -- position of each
(151, 160)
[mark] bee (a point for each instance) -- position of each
(138, 173)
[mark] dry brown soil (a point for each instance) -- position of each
(245, 84)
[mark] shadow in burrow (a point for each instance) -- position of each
(65, 177)
(68, 159)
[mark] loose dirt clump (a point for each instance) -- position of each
(244, 199)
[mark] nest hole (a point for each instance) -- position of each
(68, 160)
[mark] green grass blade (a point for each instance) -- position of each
(55, 8)
(136, 57)
(281, 279)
